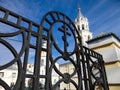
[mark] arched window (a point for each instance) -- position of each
(78, 27)
(83, 28)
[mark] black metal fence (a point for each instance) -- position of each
(62, 43)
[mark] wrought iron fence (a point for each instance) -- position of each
(62, 43)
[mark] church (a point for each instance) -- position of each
(107, 44)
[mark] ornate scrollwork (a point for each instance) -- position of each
(63, 44)
(67, 30)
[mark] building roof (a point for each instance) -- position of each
(101, 36)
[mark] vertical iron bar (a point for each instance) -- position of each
(79, 70)
(84, 68)
(19, 21)
(47, 81)
(65, 38)
(106, 87)
(26, 58)
(89, 72)
(37, 60)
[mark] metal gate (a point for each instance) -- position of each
(61, 43)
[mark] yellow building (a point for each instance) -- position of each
(108, 45)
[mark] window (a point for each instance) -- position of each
(1, 74)
(78, 27)
(42, 61)
(83, 28)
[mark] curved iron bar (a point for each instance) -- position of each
(17, 59)
(83, 68)
(65, 54)
(4, 85)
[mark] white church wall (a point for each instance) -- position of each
(109, 54)
(9, 76)
(113, 75)
(87, 35)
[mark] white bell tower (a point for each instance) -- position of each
(82, 26)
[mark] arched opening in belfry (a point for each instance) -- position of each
(78, 27)
(83, 28)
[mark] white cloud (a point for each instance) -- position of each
(21, 7)
(96, 7)
(106, 19)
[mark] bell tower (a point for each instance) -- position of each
(82, 26)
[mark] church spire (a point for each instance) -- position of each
(82, 25)
(79, 13)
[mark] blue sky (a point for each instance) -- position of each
(103, 15)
